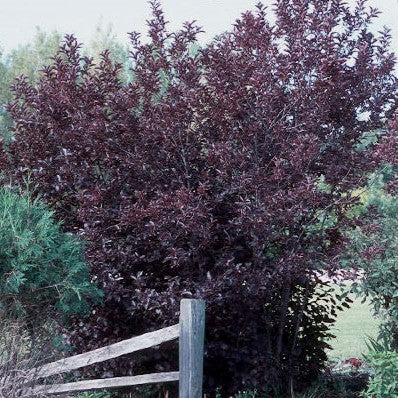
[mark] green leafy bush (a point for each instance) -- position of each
(384, 381)
(42, 269)
(373, 251)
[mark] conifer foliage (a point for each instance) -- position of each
(43, 274)
(219, 173)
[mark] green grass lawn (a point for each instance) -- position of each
(352, 328)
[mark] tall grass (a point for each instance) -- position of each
(18, 360)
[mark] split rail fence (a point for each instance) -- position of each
(189, 331)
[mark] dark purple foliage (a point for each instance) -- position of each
(387, 147)
(202, 177)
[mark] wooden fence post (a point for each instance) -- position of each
(192, 326)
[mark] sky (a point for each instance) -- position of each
(19, 18)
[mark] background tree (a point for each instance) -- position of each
(25, 60)
(231, 182)
(103, 39)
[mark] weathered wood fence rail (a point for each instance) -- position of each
(189, 331)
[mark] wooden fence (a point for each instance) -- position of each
(189, 331)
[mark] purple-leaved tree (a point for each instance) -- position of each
(222, 172)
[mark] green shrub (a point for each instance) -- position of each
(384, 380)
(373, 250)
(42, 269)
